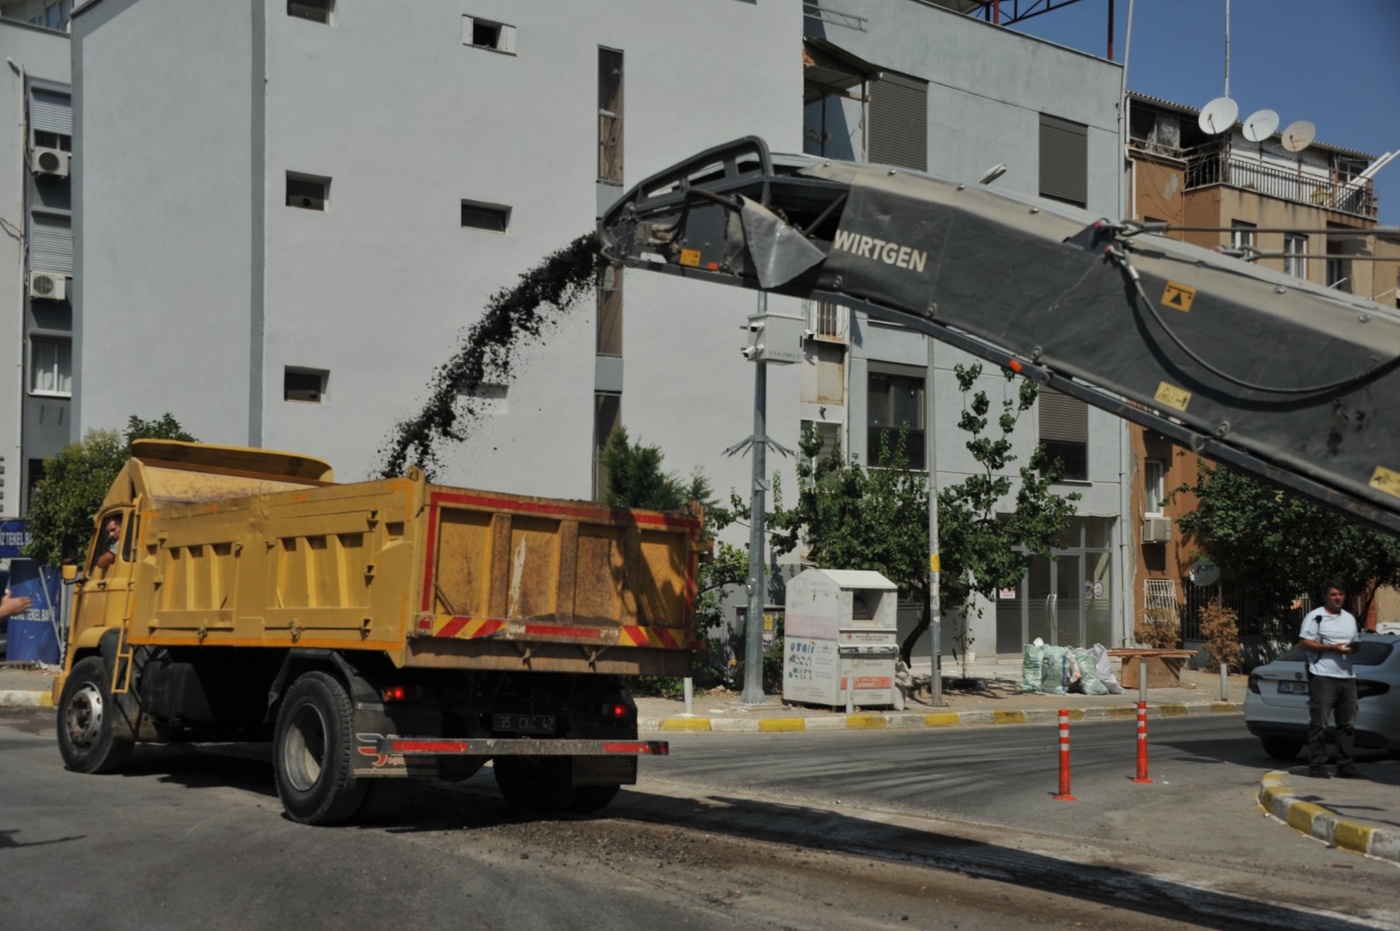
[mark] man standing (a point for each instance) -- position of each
(1330, 636)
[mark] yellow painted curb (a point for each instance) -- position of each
(1122, 712)
(875, 721)
(686, 724)
(1301, 815)
(1172, 710)
(1008, 717)
(1352, 836)
(1076, 714)
(1223, 707)
(46, 700)
(782, 724)
(946, 719)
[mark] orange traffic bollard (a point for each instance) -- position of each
(1142, 743)
(1064, 795)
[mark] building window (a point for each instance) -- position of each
(609, 340)
(309, 192)
(607, 417)
(610, 115)
(895, 407)
(1064, 160)
(1242, 237)
(1154, 475)
(51, 366)
(484, 33)
(899, 121)
(1064, 433)
(494, 218)
(50, 119)
(307, 385)
(318, 11)
(1295, 255)
(50, 245)
(53, 15)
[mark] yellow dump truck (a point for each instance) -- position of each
(372, 629)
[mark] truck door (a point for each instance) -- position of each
(105, 589)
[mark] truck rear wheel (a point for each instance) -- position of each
(312, 752)
(93, 737)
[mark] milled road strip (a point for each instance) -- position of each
(1276, 798)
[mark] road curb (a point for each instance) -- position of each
(1318, 821)
(26, 698)
(905, 720)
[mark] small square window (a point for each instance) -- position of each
(492, 217)
(318, 11)
(309, 192)
(307, 385)
(485, 33)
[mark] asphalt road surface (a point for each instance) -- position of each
(928, 829)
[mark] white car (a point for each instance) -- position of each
(1276, 705)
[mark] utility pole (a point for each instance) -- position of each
(778, 339)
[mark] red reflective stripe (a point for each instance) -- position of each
(428, 746)
(452, 627)
(651, 747)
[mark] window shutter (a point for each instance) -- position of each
(51, 244)
(1062, 417)
(899, 122)
(1064, 160)
(50, 112)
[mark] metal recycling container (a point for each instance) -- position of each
(841, 638)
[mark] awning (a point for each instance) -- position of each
(829, 69)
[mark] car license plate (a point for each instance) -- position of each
(1293, 688)
(539, 724)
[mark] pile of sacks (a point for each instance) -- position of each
(1059, 670)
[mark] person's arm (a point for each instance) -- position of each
(106, 559)
(10, 605)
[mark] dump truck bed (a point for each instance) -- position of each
(430, 575)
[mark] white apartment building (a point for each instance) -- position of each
(287, 212)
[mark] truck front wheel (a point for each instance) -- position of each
(312, 752)
(92, 735)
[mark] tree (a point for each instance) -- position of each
(65, 501)
(1279, 545)
(858, 518)
(636, 479)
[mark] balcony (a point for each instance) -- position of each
(1310, 184)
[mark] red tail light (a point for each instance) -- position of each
(397, 693)
(616, 710)
(1254, 684)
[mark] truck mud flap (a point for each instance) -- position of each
(615, 770)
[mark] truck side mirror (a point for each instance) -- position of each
(69, 572)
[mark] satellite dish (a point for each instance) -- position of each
(1218, 116)
(1298, 135)
(1203, 573)
(1260, 125)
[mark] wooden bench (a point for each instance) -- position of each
(1161, 667)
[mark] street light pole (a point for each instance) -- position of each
(935, 618)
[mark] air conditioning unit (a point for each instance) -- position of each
(48, 286)
(1156, 529)
(51, 162)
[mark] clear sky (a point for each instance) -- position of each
(1334, 62)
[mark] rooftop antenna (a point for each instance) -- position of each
(1297, 136)
(1227, 48)
(1218, 116)
(1259, 126)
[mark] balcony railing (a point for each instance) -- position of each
(1235, 170)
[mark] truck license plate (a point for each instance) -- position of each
(1293, 688)
(538, 724)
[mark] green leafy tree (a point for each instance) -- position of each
(636, 478)
(65, 501)
(857, 518)
(982, 550)
(1280, 545)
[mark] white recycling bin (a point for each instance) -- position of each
(841, 638)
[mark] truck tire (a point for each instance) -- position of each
(1281, 748)
(93, 737)
(536, 783)
(312, 752)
